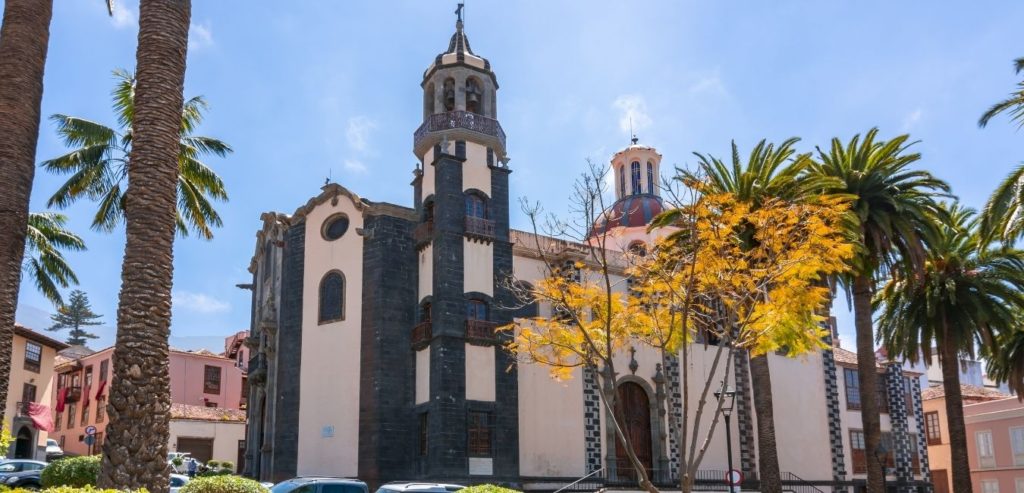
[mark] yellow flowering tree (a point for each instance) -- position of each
(748, 278)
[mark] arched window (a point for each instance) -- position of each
(476, 310)
(332, 297)
(428, 100)
(638, 248)
(622, 182)
(650, 177)
(635, 168)
(425, 311)
(475, 206)
(449, 94)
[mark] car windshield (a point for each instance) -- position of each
(284, 487)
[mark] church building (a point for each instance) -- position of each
(374, 353)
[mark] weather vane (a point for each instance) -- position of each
(458, 11)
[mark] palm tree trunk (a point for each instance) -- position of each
(955, 419)
(868, 379)
(135, 451)
(767, 453)
(23, 42)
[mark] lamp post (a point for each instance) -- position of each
(726, 397)
(881, 454)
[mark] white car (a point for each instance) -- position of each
(178, 455)
(177, 481)
(53, 448)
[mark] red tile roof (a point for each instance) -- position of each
(969, 392)
(32, 335)
(203, 413)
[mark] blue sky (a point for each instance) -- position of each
(303, 90)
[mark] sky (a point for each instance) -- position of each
(305, 91)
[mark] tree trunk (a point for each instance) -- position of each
(23, 41)
(955, 419)
(135, 451)
(867, 369)
(767, 453)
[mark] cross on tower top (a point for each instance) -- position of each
(458, 11)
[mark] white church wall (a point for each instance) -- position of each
(328, 432)
(427, 188)
(475, 173)
(423, 375)
(798, 391)
(551, 440)
(479, 373)
(426, 277)
(478, 274)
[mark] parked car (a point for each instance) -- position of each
(53, 449)
(419, 488)
(319, 484)
(21, 473)
(180, 469)
(177, 481)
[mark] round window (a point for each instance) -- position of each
(335, 227)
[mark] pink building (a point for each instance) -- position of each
(235, 349)
(995, 438)
(198, 378)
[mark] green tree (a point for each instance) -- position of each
(891, 221)
(135, 449)
(769, 172)
(968, 293)
(75, 315)
(100, 158)
(24, 40)
(44, 261)
(1003, 215)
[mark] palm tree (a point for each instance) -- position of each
(967, 293)
(891, 221)
(100, 158)
(135, 451)
(769, 172)
(1005, 360)
(44, 262)
(1003, 215)
(24, 38)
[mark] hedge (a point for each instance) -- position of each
(222, 484)
(70, 489)
(487, 488)
(71, 471)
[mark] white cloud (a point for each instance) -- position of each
(198, 302)
(200, 36)
(911, 120)
(358, 132)
(632, 113)
(354, 165)
(124, 16)
(708, 84)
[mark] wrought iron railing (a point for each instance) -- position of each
(459, 119)
(479, 228)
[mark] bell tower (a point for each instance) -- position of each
(465, 397)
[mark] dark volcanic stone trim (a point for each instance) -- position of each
(388, 438)
(506, 414)
(893, 380)
(922, 440)
(835, 414)
(744, 414)
(591, 421)
(289, 356)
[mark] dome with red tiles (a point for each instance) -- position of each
(630, 211)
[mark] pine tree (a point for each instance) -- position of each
(75, 315)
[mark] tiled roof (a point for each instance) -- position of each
(203, 413)
(848, 358)
(32, 335)
(969, 392)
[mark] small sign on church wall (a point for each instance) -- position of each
(327, 431)
(481, 466)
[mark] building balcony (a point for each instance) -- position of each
(421, 335)
(480, 331)
(457, 122)
(478, 228)
(423, 234)
(74, 394)
(21, 411)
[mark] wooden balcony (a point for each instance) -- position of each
(480, 332)
(423, 234)
(74, 394)
(421, 335)
(478, 228)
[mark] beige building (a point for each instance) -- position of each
(208, 433)
(29, 391)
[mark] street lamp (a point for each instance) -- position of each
(726, 397)
(881, 454)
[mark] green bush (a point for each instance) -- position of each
(222, 484)
(213, 464)
(89, 489)
(487, 488)
(72, 471)
(226, 464)
(177, 460)
(214, 472)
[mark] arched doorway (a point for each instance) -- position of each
(633, 412)
(23, 445)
